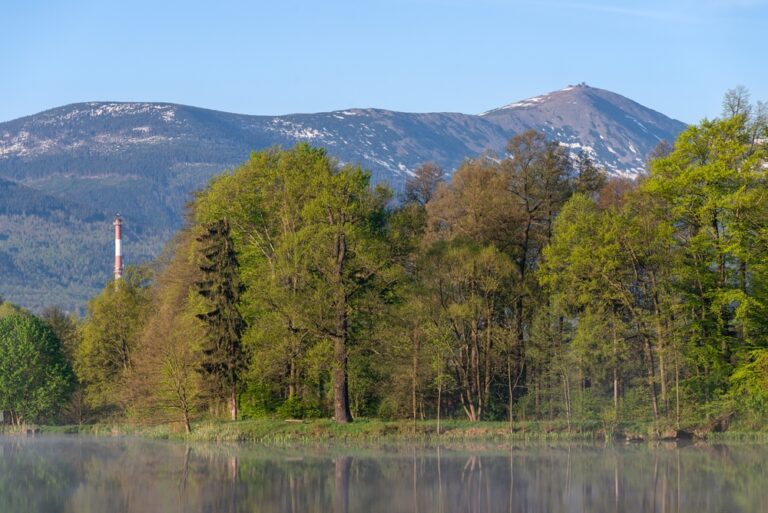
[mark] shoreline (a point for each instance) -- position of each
(278, 431)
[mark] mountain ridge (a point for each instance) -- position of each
(144, 159)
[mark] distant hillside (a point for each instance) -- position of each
(66, 171)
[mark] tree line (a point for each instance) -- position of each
(528, 286)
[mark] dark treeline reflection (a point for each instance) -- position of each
(87, 475)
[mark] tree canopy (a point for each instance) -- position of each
(35, 377)
(529, 285)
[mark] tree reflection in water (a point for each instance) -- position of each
(83, 475)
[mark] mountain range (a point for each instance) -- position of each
(65, 172)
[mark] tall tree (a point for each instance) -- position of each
(67, 330)
(313, 239)
(465, 285)
(349, 259)
(512, 205)
(223, 357)
(110, 333)
(712, 188)
(166, 367)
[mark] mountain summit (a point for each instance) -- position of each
(78, 164)
(616, 131)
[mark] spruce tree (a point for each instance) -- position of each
(223, 357)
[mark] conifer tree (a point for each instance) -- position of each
(223, 357)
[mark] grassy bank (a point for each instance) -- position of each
(373, 430)
(276, 431)
(362, 430)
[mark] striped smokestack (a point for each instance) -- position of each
(118, 247)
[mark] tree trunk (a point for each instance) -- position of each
(510, 389)
(661, 351)
(519, 336)
(677, 392)
(340, 387)
(475, 375)
(415, 373)
(615, 368)
(536, 380)
(487, 373)
(567, 395)
(663, 377)
(292, 378)
(651, 379)
(463, 369)
(439, 391)
(233, 400)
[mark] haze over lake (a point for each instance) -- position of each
(121, 475)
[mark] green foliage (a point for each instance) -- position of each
(749, 383)
(713, 188)
(65, 327)
(527, 288)
(164, 376)
(670, 278)
(110, 334)
(35, 378)
(7, 309)
(223, 360)
(296, 408)
(314, 257)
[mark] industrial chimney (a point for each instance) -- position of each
(118, 247)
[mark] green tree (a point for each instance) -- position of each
(110, 333)
(312, 240)
(342, 244)
(223, 357)
(512, 205)
(35, 378)
(167, 360)
(66, 327)
(465, 285)
(608, 268)
(712, 187)
(582, 271)
(7, 308)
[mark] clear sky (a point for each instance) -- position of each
(284, 56)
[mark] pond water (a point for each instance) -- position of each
(120, 475)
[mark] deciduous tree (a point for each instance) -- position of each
(35, 377)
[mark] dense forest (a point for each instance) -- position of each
(529, 286)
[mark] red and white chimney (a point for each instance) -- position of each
(118, 247)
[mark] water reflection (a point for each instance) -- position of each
(85, 475)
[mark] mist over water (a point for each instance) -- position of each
(121, 475)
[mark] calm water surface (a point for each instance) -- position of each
(102, 475)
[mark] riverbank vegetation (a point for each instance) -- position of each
(528, 288)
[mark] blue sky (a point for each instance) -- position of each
(277, 57)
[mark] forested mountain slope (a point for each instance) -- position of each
(67, 170)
